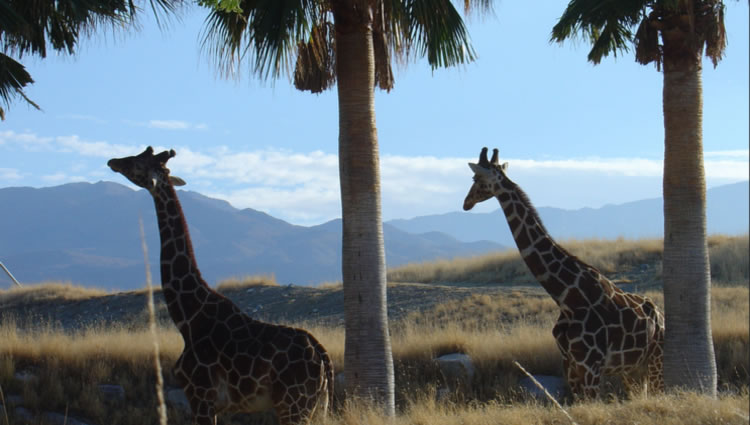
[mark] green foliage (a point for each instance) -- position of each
(297, 37)
(613, 26)
(606, 24)
(222, 5)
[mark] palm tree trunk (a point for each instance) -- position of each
(689, 361)
(368, 361)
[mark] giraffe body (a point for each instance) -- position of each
(601, 330)
(231, 362)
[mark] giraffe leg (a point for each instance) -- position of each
(634, 383)
(592, 379)
(655, 374)
(574, 378)
(203, 412)
(290, 414)
(583, 380)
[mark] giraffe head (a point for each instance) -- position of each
(146, 170)
(488, 176)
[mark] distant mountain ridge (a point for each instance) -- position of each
(726, 212)
(89, 234)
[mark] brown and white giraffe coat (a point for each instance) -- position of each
(601, 330)
(230, 362)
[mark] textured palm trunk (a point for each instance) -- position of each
(368, 363)
(689, 361)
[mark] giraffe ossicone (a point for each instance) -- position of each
(601, 330)
(230, 362)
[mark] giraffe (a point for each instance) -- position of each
(601, 330)
(231, 362)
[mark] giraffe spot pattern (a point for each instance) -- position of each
(601, 329)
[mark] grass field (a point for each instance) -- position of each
(68, 367)
(619, 259)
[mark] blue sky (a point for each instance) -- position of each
(576, 135)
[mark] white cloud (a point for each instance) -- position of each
(74, 144)
(175, 125)
(737, 154)
(56, 178)
(82, 117)
(9, 174)
(303, 187)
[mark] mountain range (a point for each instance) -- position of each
(726, 213)
(89, 234)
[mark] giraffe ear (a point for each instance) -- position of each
(176, 181)
(504, 166)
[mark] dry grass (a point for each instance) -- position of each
(69, 367)
(246, 282)
(494, 330)
(728, 254)
(48, 291)
(687, 409)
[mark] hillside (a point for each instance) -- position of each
(89, 234)
(726, 211)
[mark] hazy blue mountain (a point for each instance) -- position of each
(727, 213)
(89, 234)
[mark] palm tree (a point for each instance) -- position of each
(350, 42)
(30, 26)
(672, 34)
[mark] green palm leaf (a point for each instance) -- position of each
(265, 32)
(13, 78)
(607, 24)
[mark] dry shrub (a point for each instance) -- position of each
(47, 291)
(234, 283)
(728, 254)
(688, 409)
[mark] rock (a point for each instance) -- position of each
(112, 392)
(457, 370)
(554, 385)
(176, 398)
(60, 419)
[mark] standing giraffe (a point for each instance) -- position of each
(230, 361)
(602, 330)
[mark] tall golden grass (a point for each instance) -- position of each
(728, 256)
(495, 330)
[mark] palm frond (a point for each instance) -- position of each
(266, 33)
(382, 50)
(607, 24)
(13, 78)
(434, 29)
(716, 34)
(315, 70)
(482, 6)
(646, 42)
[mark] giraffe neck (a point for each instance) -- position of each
(554, 268)
(183, 287)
